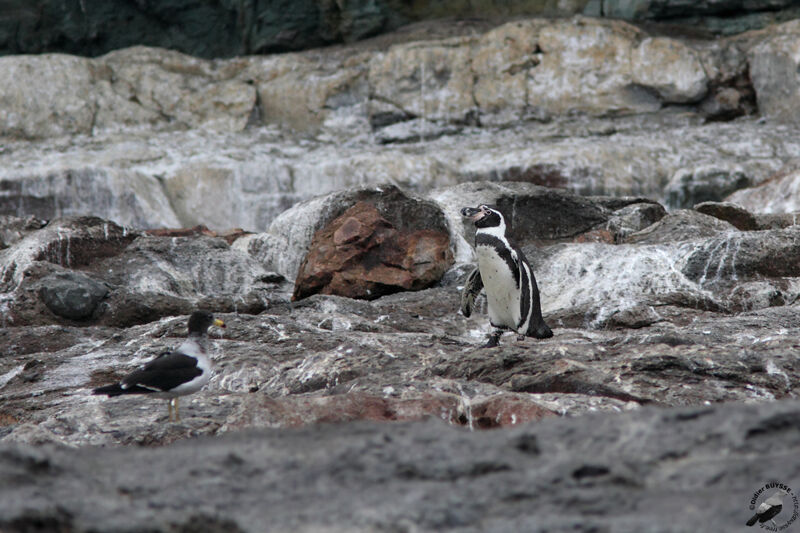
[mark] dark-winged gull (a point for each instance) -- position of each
(172, 374)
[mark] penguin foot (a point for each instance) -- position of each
(494, 340)
(520, 338)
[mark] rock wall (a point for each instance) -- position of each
(553, 68)
(226, 28)
(154, 138)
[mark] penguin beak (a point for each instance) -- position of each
(219, 323)
(472, 213)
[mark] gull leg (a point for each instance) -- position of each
(177, 413)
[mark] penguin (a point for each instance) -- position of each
(172, 374)
(506, 276)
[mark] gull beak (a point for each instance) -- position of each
(219, 323)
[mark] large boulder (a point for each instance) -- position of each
(284, 245)
(361, 255)
(779, 194)
(746, 255)
(162, 276)
(672, 69)
(681, 225)
(534, 214)
(71, 295)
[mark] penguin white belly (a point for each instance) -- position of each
(502, 293)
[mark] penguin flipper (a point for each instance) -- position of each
(472, 287)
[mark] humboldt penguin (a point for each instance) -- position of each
(506, 276)
(175, 373)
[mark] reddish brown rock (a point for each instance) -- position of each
(501, 410)
(361, 255)
(505, 410)
(729, 212)
(295, 411)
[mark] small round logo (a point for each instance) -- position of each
(774, 507)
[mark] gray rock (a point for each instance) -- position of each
(774, 63)
(691, 186)
(150, 86)
(747, 255)
(533, 213)
(634, 217)
(776, 195)
(670, 68)
(70, 295)
(247, 28)
(582, 473)
(13, 229)
(161, 276)
(437, 84)
(411, 355)
(207, 30)
(125, 278)
(778, 221)
(681, 225)
(729, 212)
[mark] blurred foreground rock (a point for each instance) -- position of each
(658, 470)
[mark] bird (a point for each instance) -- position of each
(506, 276)
(769, 508)
(173, 373)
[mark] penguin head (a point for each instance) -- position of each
(484, 216)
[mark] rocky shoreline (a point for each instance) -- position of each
(650, 179)
(648, 306)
